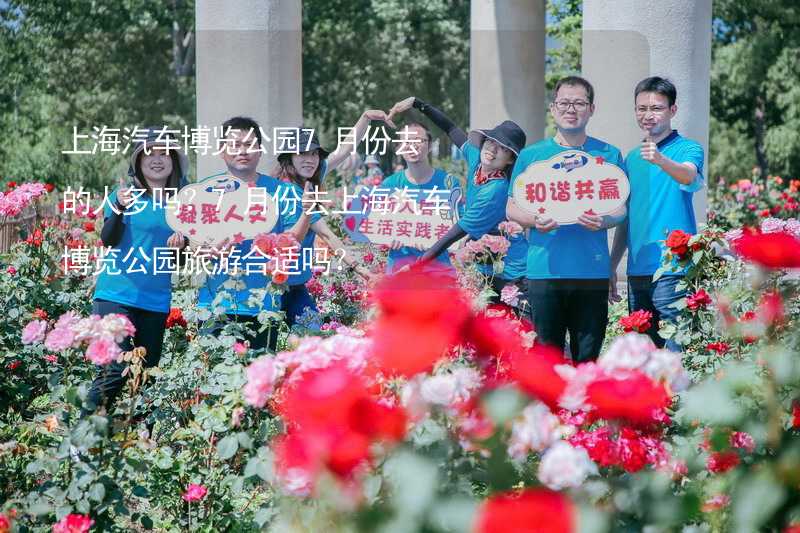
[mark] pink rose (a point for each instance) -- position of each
(261, 375)
(73, 523)
(102, 351)
(59, 339)
(194, 492)
(34, 332)
(510, 295)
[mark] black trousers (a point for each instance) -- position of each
(577, 306)
(150, 326)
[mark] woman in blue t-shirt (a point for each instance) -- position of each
(490, 156)
(134, 228)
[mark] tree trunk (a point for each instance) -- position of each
(758, 127)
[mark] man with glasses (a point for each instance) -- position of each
(665, 171)
(568, 267)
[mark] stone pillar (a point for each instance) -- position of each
(249, 62)
(507, 54)
(625, 41)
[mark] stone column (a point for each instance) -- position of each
(507, 64)
(249, 62)
(625, 41)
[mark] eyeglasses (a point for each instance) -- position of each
(564, 105)
(654, 109)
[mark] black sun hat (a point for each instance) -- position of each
(507, 134)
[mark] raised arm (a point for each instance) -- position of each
(359, 129)
(442, 121)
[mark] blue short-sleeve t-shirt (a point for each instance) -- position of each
(658, 204)
(570, 251)
(441, 181)
(128, 270)
(485, 210)
(236, 299)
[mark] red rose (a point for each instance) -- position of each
(419, 306)
(11, 185)
(175, 318)
(88, 227)
(720, 347)
(49, 187)
(678, 243)
(720, 462)
(638, 321)
(634, 397)
(796, 415)
(632, 451)
(770, 310)
(698, 300)
(529, 511)
(40, 314)
(534, 371)
(770, 250)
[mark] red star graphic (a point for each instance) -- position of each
(542, 210)
(238, 238)
(599, 160)
(590, 212)
(192, 231)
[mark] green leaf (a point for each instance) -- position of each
(755, 499)
(710, 402)
(414, 480)
(97, 492)
(258, 467)
(227, 447)
(146, 522)
(503, 405)
(264, 515)
(244, 440)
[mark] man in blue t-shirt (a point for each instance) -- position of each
(236, 295)
(665, 171)
(568, 267)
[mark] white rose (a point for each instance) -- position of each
(535, 430)
(564, 466)
(439, 390)
(627, 352)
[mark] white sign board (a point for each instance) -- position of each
(570, 184)
(219, 208)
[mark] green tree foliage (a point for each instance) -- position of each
(360, 54)
(755, 96)
(84, 63)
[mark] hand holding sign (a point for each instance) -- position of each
(650, 151)
(590, 221)
(545, 225)
(124, 196)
